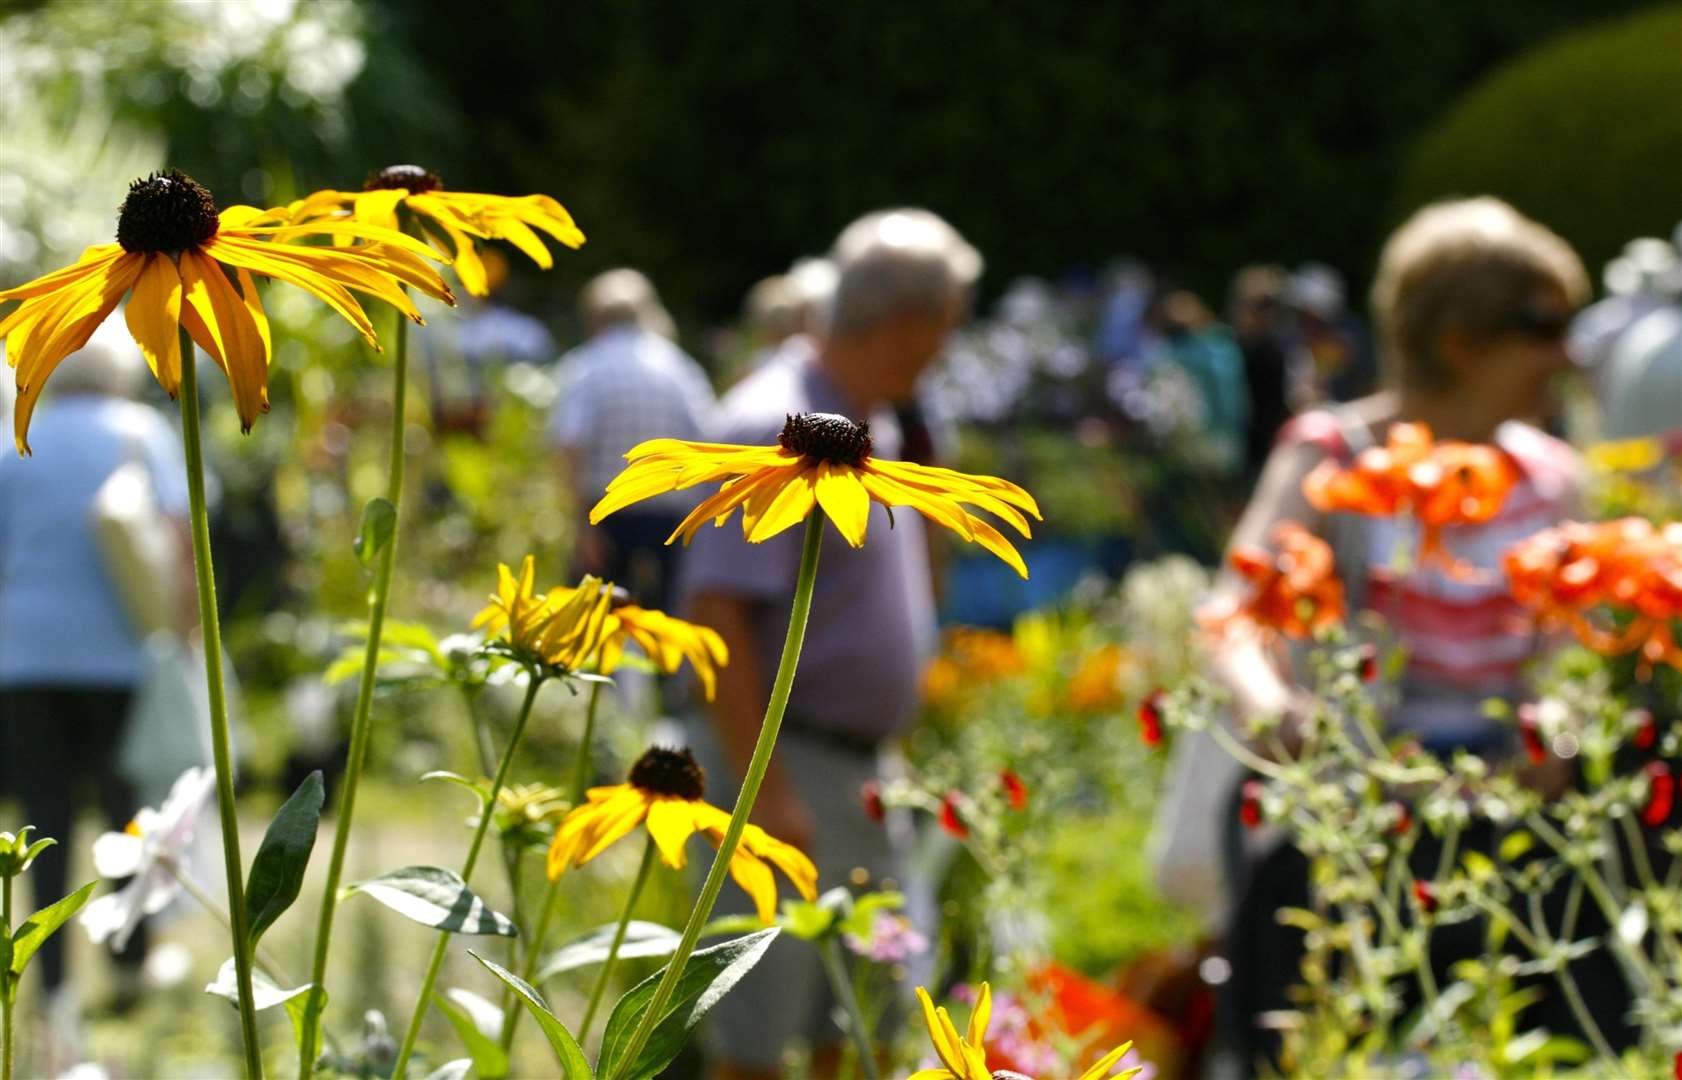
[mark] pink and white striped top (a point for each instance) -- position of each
(1466, 639)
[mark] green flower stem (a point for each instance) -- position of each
(424, 999)
(210, 629)
(6, 1049)
(359, 724)
(618, 939)
(511, 1010)
(842, 983)
(757, 766)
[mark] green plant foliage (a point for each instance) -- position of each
(277, 870)
(1584, 133)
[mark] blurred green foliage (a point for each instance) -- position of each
(1584, 134)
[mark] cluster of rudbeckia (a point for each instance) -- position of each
(1440, 484)
(1576, 574)
(964, 1057)
(1293, 589)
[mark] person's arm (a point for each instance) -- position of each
(738, 709)
(1241, 664)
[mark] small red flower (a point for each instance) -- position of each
(1679, 1065)
(949, 819)
(1425, 894)
(1367, 665)
(870, 797)
(1530, 734)
(1661, 794)
(1150, 719)
(1249, 803)
(1015, 790)
(1646, 732)
(1404, 820)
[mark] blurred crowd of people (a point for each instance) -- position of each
(1477, 313)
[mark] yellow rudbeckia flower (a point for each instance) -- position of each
(965, 1057)
(664, 791)
(562, 628)
(169, 259)
(667, 642)
(453, 220)
(821, 460)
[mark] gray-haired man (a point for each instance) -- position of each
(903, 278)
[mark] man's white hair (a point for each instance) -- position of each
(624, 297)
(897, 262)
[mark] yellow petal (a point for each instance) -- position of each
(890, 492)
(933, 1074)
(786, 857)
(259, 258)
(755, 879)
(153, 315)
(941, 1033)
(92, 261)
(846, 502)
(517, 233)
(671, 824)
(980, 1017)
(224, 315)
(1101, 1068)
(379, 207)
(994, 541)
(787, 508)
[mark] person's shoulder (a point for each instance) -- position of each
(1548, 461)
(754, 409)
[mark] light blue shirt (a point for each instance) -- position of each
(62, 622)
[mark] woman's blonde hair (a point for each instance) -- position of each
(1467, 264)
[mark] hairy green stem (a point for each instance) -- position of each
(606, 972)
(842, 983)
(359, 724)
(551, 894)
(757, 766)
(424, 1000)
(210, 629)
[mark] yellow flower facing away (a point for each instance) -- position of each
(561, 628)
(821, 460)
(453, 220)
(965, 1057)
(666, 641)
(172, 259)
(664, 791)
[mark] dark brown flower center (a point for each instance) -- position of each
(669, 772)
(411, 177)
(826, 437)
(167, 212)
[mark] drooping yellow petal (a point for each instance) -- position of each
(846, 502)
(590, 829)
(64, 326)
(890, 492)
(379, 207)
(254, 308)
(786, 857)
(259, 258)
(671, 823)
(1101, 1068)
(755, 879)
(242, 350)
(153, 315)
(787, 508)
(994, 541)
(93, 260)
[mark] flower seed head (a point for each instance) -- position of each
(165, 212)
(826, 437)
(669, 772)
(411, 177)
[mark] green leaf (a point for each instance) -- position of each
(707, 977)
(1515, 845)
(264, 993)
(298, 1010)
(806, 921)
(435, 897)
(379, 521)
(277, 871)
(574, 1065)
(642, 940)
(489, 1059)
(861, 922)
(42, 925)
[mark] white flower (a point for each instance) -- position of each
(149, 851)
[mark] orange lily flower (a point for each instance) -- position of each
(1439, 483)
(1295, 590)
